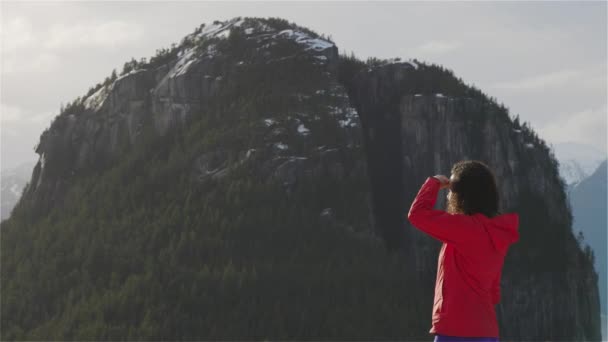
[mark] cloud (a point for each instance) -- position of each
(11, 115)
(42, 62)
(16, 33)
(592, 77)
(25, 50)
(107, 34)
(437, 47)
(588, 126)
(552, 79)
(20, 130)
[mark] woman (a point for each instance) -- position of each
(476, 237)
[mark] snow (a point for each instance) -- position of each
(321, 58)
(320, 92)
(319, 44)
(182, 64)
(327, 212)
(250, 152)
(238, 23)
(351, 118)
(208, 172)
(439, 95)
(530, 145)
(281, 146)
(417, 95)
(96, 100)
(517, 130)
(303, 130)
(220, 29)
(264, 28)
(240, 63)
(351, 112)
(249, 30)
(571, 171)
(182, 69)
(292, 158)
(333, 110)
(132, 72)
(269, 122)
(211, 50)
(577, 156)
(223, 34)
(210, 29)
(347, 123)
(299, 37)
(414, 64)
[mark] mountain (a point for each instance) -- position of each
(589, 211)
(577, 160)
(604, 327)
(252, 182)
(13, 181)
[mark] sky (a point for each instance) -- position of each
(545, 61)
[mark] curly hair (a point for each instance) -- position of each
(473, 189)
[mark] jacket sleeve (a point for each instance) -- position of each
(496, 288)
(450, 228)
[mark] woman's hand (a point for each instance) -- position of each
(445, 181)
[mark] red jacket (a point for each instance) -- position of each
(469, 265)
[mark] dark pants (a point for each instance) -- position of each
(445, 338)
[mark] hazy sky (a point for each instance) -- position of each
(546, 61)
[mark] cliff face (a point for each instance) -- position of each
(255, 149)
(410, 136)
(112, 119)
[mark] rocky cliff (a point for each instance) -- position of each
(157, 97)
(410, 135)
(255, 149)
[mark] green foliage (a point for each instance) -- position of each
(141, 252)
(129, 66)
(142, 249)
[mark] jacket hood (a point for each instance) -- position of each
(503, 230)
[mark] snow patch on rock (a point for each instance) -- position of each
(281, 146)
(303, 130)
(316, 44)
(269, 122)
(96, 100)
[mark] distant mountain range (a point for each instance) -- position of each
(12, 182)
(588, 201)
(577, 161)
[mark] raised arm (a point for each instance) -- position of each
(450, 228)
